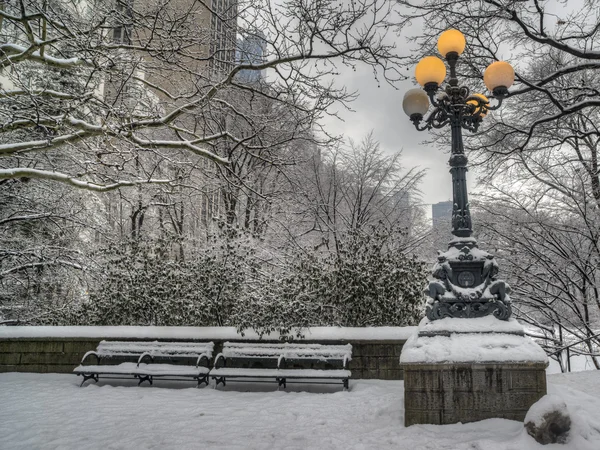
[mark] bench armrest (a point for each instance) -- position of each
(220, 358)
(90, 353)
(203, 356)
(144, 355)
(280, 362)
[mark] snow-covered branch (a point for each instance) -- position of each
(22, 172)
(34, 265)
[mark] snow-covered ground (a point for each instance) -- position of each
(50, 411)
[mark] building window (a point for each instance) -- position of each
(124, 21)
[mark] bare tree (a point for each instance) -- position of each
(45, 237)
(156, 77)
(352, 187)
(548, 242)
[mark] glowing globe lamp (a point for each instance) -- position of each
(451, 41)
(498, 77)
(430, 69)
(483, 109)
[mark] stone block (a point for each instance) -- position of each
(525, 380)
(370, 374)
(10, 358)
(357, 363)
(372, 362)
(61, 368)
(4, 368)
(390, 374)
(359, 373)
(33, 368)
(423, 401)
(468, 415)
(471, 392)
(51, 358)
(426, 380)
(33, 346)
(80, 346)
(385, 350)
(388, 363)
(367, 349)
(489, 380)
(357, 350)
(422, 417)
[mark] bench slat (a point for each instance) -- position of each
(276, 373)
(156, 370)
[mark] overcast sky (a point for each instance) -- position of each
(380, 109)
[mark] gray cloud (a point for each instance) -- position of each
(380, 109)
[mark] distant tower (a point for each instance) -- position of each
(252, 50)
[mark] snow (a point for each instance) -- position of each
(471, 347)
(484, 340)
(487, 324)
(453, 253)
(155, 348)
(50, 411)
(205, 333)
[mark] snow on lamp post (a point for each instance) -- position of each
(465, 284)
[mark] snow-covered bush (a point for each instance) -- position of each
(366, 283)
(143, 285)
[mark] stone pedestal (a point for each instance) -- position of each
(489, 370)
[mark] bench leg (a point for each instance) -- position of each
(281, 382)
(202, 379)
(346, 382)
(143, 378)
(219, 380)
(93, 376)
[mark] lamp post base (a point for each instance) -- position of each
(466, 285)
(441, 394)
(464, 376)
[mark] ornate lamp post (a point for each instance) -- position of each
(465, 284)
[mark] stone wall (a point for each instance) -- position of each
(370, 359)
(449, 393)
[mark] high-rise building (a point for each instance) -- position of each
(251, 50)
(223, 32)
(441, 215)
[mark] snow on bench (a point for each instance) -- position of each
(277, 355)
(290, 351)
(159, 354)
(115, 349)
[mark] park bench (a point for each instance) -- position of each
(175, 361)
(281, 362)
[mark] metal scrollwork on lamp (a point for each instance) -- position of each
(465, 282)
